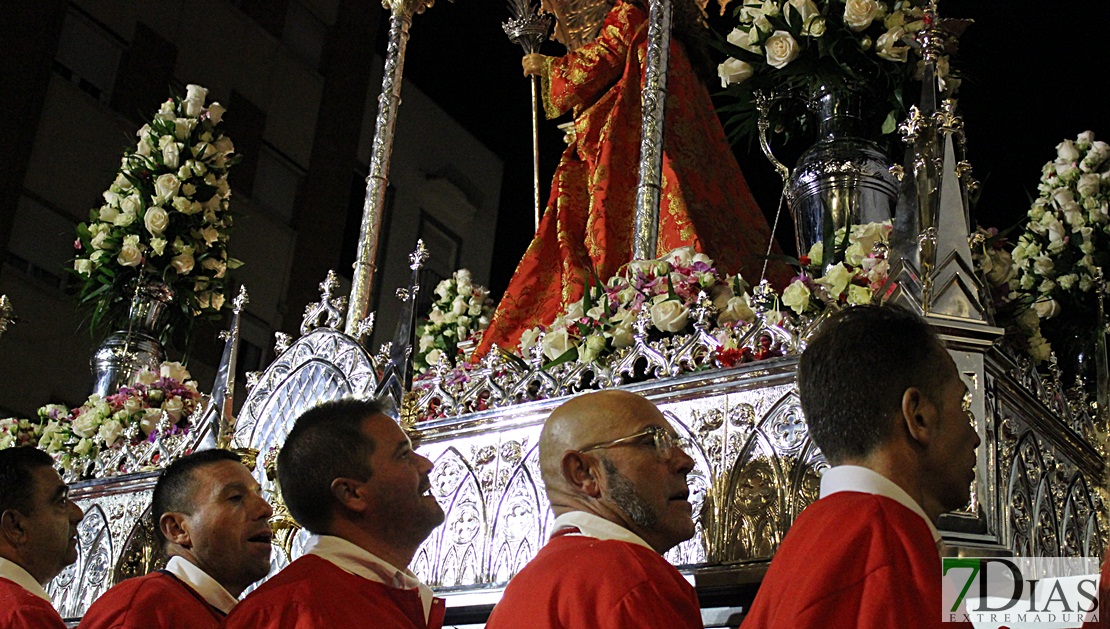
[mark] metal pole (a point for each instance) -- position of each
(651, 138)
(378, 180)
(536, 148)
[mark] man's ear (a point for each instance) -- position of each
(919, 416)
(13, 527)
(347, 492)
(174, 529)
(580, 474)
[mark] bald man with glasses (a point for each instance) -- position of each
(615, 473)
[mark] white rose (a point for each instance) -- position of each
(182, 263)
(83, 447)
(146, 376)
(173, 407)
(82, 266)
(124, 219)
(742, 39)
(738, 309)
(781, 49)
(171, 155)
(621, 335)
(433, 357)
(224, 145)
(219, 267)
(129, 253)
(887, 46)
(528, 340)
(1066, 152)
(158, 245)
(816, 27)
(575, 311)
(859, 295)
(166, 186)
(1046, 308)
(1088, 184)
(194, 99)
(458, 306)
(109, 432)
(556, 343)
(85, 425)
(669, 315)
(836, 280)
(734, 71)
(175, 370)
(592, 348)
(858, 14)
(217, 300)
(216, 113)
(108, 214)
(156, 220)
(796, 296)
(436, 317)
(149, 422)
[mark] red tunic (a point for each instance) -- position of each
(852, 559)
(313, 593)
(158, 599)
(20, 609)
(587, 230)
(583, 582)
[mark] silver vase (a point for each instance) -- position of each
(843, 179)
(125, 352)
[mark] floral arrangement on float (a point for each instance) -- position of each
(666, 291)
(803, 47)
(165, 219)
(855, 271)
(1060, 260)
(461, 312)
(156, 405)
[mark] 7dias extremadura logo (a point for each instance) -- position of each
(1018, 592)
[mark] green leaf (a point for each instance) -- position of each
(565, 357)
(890, 124)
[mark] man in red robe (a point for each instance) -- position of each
(587, 230)
(615, 473)
(38, 536)
(213, 522)
(886, 405)
(349, 475)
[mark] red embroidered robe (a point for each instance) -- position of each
(156, 600)
(587, 230)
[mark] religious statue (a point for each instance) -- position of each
(586, 233)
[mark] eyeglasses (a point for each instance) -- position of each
(665, 443)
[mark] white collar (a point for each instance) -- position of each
(209, 589)
(590, 525)
(864, 480)
(15, 572)
(361, 562)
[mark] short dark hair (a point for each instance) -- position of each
(854, 372)
(16, 481)
(176, 487)
(326, 443)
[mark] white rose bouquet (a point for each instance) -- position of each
(75, 437)
(668, 288)
(860, 270)
(462, 310)
(1067, 237)
(165, 218)
(794, 47)
(1065, 242)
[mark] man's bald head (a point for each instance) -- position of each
(588, 419)
(614, 455)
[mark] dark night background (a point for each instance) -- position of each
(1035, 73)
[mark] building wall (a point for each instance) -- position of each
(285, 69)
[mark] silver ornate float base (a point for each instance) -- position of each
(1036, 491)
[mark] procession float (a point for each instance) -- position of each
(716, 353)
